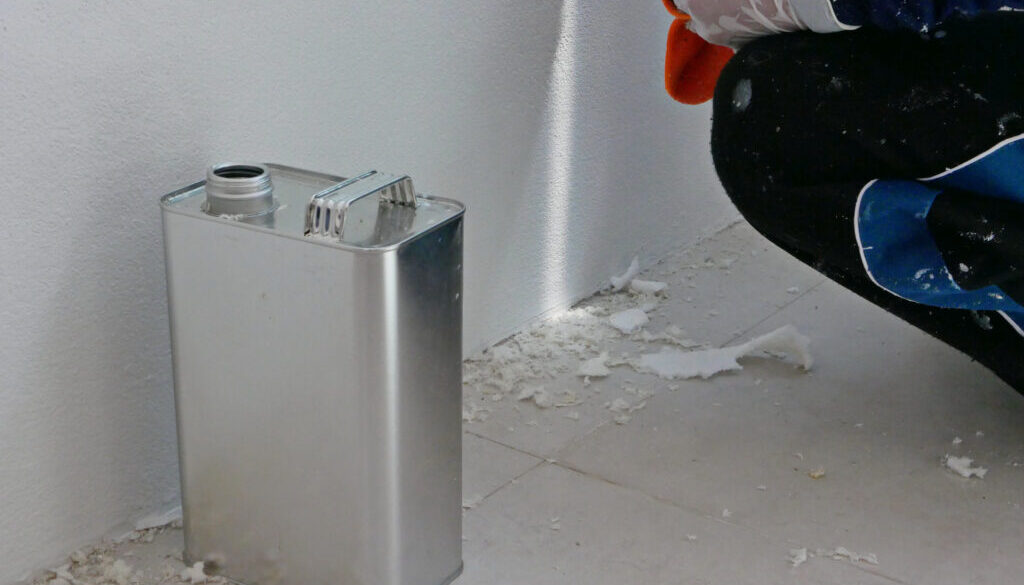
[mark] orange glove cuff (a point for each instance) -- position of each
(692, 65)
(670, 5)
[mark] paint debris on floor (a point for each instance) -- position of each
(963, 467)
(675, 428)
(674, 364)
(799, 556)
(586, 337)
(151, 555)
(812, 421)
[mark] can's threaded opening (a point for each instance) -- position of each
(238, 189)
(238, 171)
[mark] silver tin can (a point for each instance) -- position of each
(316, 329)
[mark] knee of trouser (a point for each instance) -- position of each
(740, 149)
(757, 136)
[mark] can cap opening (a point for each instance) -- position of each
(238, 171)
(238, 189)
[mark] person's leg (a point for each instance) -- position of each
(802, 122)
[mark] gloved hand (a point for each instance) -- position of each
(735, 22)
(700, 37)
(692, 65)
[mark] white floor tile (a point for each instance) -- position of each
(873, 368)
(739, 279)
(887, 489)
(705, 450)
(556, 526)
(877, 414)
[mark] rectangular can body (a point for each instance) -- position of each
(318, 395)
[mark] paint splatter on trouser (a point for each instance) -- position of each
(811, 131)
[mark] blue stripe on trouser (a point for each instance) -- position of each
(898, 250)
(915, 15)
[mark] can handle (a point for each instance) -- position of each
(327, 210)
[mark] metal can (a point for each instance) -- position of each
(316, 332)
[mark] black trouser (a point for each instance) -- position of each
(802, 122)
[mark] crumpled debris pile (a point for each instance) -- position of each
(111, 563)
(524, 367)
(533, 356)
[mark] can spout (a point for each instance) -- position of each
(238, 190)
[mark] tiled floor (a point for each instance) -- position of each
(565, 494)
(591, 501)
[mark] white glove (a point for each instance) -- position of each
(735, 22)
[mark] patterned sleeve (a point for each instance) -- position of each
(921, 16)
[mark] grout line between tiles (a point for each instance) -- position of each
(775, 312)
(750, 530)
(600, 423)
(511, 481)
(497, 442)
(540, 461)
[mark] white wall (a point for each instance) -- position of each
(547, 118)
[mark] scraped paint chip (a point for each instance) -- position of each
(629, 321)
(797, 556)
(674, 364)
(840, 553)
(618, 405)
(622, 281)
(962, 466)
(194, 574)
(538, 395)
(647, 287)
(595, 367)
(120, 573)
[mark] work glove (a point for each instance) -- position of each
(692, 65)
(705, 32)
